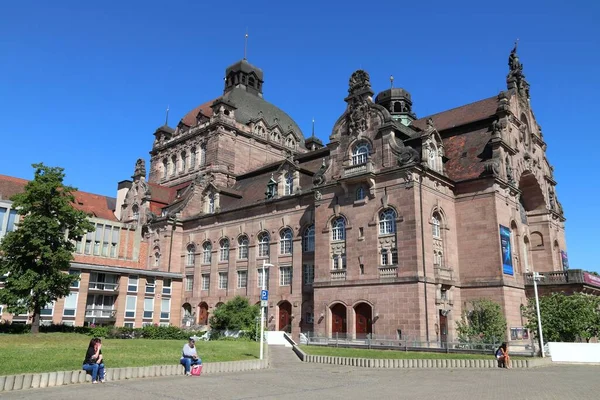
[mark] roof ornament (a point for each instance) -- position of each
(246, 44)
(167, 117)
(515, 80)
(140, 169)
(391, 81)
(359, 82)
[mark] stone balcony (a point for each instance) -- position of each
(388, 271)
(564, 277)
(338, 275)
(442, 273)
(353, 170)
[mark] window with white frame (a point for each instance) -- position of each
(387, 221)
(206, 252)
(384, 257)
(338, 261)
(150, 285)
(148, 307)
(338, 229)
(132, 283)
(130, 305)
(129, 324)
(210, 208)
(165, 308)
(288, 183)
(145, 324)
(224, 249)
(394, 256)
(360, 193)
(88, 243)
(98, 238)
(389, 256)
(243, 247)
(308, 274)
(260, 277)
(70, 307)
(285, 243)
(205, 281)
(437, 258)
(242, 279)
(75, 284)
(308, 244)
(263, 244)
(285, 276)
(190, 259)
(435, 225)
(189, 283)
(166, 289)
(360, 153)
(223, 277)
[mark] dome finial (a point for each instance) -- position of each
(246, 44)
(391, 81)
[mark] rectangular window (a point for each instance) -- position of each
(205, 281)
(98, 239)
(145, 324)
(260, 278)
(310, 318)
(285, 276)
(12, 217)
(222, 280)
(308, 272)
(114, 243)
(394, 254)
(3, 211)
(166, 287)
(70, 307)
(132, 285)
(75, 284)
(150, 284)
(68, 323)
(242, 279)
(106, 241)
(130, 304)
(79, 246)
(189, 283)
(88, 242)
(148, 307)
(48, 310)
(165, 308)
(384, 257)
(129, 324)
(1, 311)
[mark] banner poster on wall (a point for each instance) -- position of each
(565, 260)
(507, 263)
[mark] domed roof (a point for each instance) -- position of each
(392, 93)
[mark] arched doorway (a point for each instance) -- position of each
(338, 320)
(203, 314)
(188, 317)
(364, 320)
(285, 317)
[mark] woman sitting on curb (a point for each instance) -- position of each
(189, 356)
(502, 356)
(94, 362)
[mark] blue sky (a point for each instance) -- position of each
(83, 85)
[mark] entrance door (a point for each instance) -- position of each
(203, 314)
(443, 329)
(285, 311)
(338, 319)
(364, 325)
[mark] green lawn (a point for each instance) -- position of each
(49, 352)
(390, 354)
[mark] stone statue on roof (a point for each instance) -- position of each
(358, 81)
(140, 169)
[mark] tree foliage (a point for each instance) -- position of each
(236, 314)
(565, 318)
(482, 322)
(37, 255)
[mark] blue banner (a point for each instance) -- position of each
(507, 263)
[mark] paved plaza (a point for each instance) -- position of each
(292, 379)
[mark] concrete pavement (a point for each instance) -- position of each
(291, 379)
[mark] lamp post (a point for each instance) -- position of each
(262, 309)
(536, 277)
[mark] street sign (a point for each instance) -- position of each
(264, 303)
(264, 295)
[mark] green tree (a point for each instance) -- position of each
(236, 314)
(37, 255)
(482, 322)
(565, 318)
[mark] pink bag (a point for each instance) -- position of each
(196, 370)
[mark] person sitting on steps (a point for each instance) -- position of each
(502, 356)
(189, 356)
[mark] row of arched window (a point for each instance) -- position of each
(183, 162)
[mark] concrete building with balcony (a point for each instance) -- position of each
(116, 287)
(390, 229)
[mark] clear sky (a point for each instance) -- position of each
(84, 84)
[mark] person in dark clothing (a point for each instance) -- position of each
(94, 361)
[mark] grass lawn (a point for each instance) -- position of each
(391, 354)
(49, 352)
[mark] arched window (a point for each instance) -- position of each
(202, 155)
(288, 183)
(387, 221)
(243, 247)
(432, 157)
(164, 168)
(173, 165)
(206, 252)
(435, 225)
(338, 229)
(191, 255)
(183, 161)
(211, 203)
(251, 81)
(285, 244)
(156, 257)
(193, 158)
(360, 153)
(135, 210)
(224, 249)
(360, 193)
(309, 239)
(263, 244)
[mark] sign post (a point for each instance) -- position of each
(264, 297)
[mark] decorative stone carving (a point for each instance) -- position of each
(430, 125)
(502, 102)
(319, 177)
(492, 168)
(516, 79)
(552, 199)
(318, 195)
(359, 81)
(498, 127)
(509, 173)
(407, 156)
(358, 115)
(140, 169)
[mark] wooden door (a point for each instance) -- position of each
(203, 314)
(364, 325)
(443, 329)
(338, 319)
(285, 311)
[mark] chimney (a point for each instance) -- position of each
(122, 189)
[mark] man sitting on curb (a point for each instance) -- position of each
(189, 355)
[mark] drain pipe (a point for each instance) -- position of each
(423, 256)
(173, 227)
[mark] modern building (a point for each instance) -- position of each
(390, 229)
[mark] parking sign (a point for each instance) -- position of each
(264, 295)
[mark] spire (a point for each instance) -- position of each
(246, 45)
(313, 128)
(167, 117)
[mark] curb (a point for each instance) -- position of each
(49, 379)
(419, 363)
